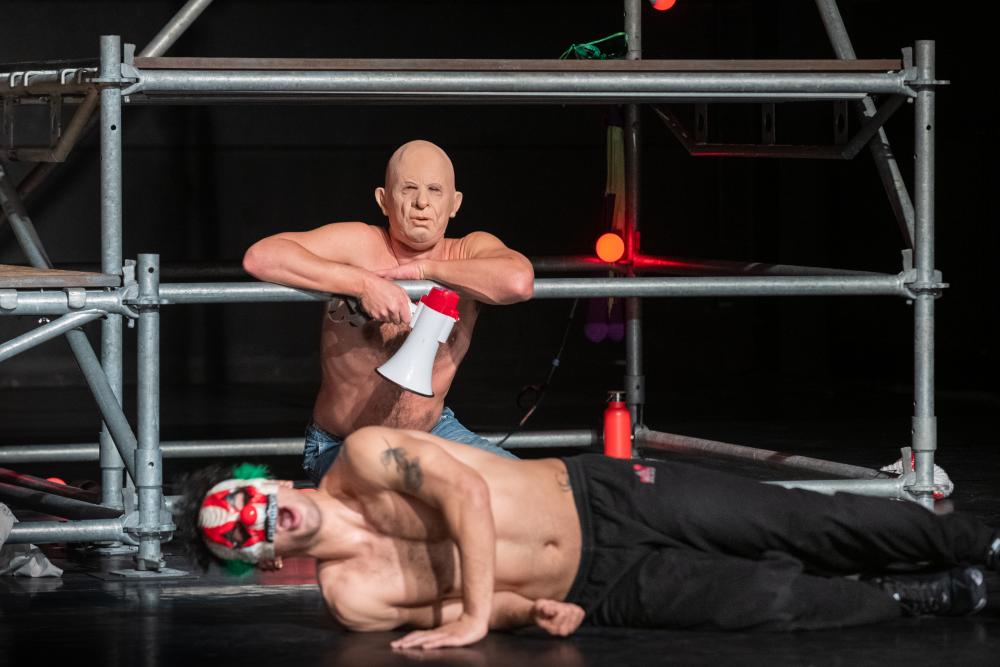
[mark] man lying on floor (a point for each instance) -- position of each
(412, 530)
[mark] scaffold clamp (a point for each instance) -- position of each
(934, 287)
(163, 531)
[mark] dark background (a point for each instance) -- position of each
(203, 183)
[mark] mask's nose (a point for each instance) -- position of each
(422, 200)
(248, 515)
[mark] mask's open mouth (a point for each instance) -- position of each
(288, 519)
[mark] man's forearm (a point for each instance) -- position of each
(491, 280)
(470, 519)
(510, 611)
(285, 262)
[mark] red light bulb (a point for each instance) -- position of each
(662, 5)
(610, 247)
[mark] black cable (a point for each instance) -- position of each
(541, 388)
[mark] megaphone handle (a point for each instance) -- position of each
(414, 309)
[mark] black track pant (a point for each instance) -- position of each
(675, 546)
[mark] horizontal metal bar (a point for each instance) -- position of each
(46, 332)
(39, 484)
(882, 488)
(493, 86)
(242, 292)
(319, 99)
(48, 532)
(236, 447)
(560, 288)
(672, 442)
(52, 302)
(875, 284)
(725, 286)
(14, 454)
(56, 505)
(518, 65)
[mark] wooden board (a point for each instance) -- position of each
(26, 277)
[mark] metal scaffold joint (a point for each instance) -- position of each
(916, 287)
(163, 531)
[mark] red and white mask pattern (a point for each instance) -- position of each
(238, 519)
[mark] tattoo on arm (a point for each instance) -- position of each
(563, 480)
(409, 470)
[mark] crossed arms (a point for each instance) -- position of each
(340, 258)
(410, 463)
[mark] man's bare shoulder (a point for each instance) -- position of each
(465, 247)
(365, 233)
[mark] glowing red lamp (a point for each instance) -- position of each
(610, 247)
(662, 5)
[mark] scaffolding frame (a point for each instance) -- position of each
(133, 291)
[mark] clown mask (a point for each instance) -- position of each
(238, 518)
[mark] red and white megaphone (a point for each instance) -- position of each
(431, 322)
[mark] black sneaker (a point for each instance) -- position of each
(957, 592)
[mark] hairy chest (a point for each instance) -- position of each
(408, 556)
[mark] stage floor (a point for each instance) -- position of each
(92, 617)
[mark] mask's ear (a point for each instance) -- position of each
(456, 203)
(380, 200)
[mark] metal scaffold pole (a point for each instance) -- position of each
(175, 27)
(112, 466)
(153, 525)
(634, 380)
(928, 283)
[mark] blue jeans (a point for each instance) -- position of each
(322, 448)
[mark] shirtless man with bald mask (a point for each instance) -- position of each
(412, 530)
(359, 260)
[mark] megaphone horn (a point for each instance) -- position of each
(433, 318)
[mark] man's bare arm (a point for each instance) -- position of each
(326, 259)
(509, 612)
(483, 269)
(409, 462)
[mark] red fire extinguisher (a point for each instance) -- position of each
(617, 427)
